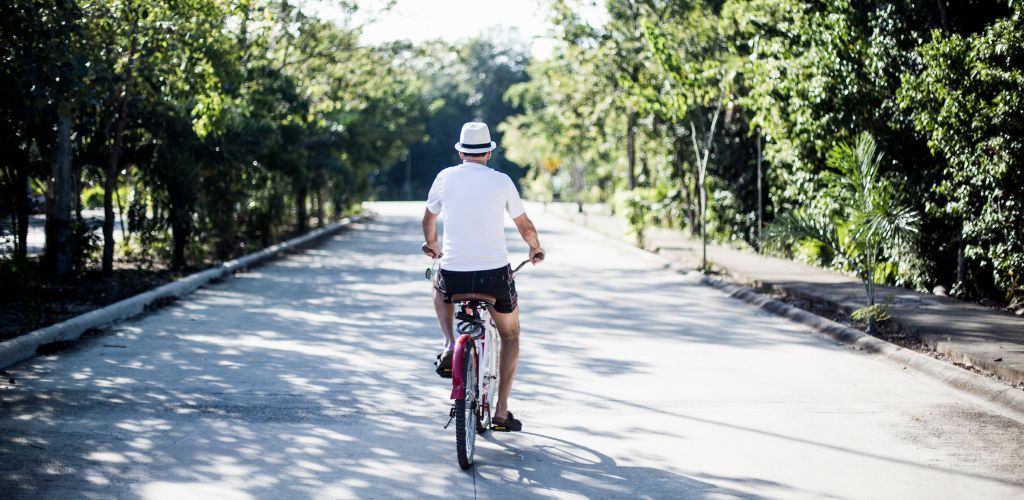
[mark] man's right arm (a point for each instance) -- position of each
(430, 245)
(434, 206)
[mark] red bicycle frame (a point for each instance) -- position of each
(459, 385)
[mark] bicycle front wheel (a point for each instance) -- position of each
(492, 378)
(465, 409)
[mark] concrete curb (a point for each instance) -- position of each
(24, 347)
(1006, 397)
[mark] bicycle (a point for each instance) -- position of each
(474, 386)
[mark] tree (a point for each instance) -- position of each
(967, 101)
(865, 222)
(40, 83)
(225, 123)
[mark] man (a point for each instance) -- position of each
(472, 198)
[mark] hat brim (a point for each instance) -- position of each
(458, 147)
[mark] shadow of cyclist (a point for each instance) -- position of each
(549, 465)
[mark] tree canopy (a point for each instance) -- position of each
(773, 87)
(210, 127)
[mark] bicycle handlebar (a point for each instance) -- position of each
(527, 261)
(430, 270)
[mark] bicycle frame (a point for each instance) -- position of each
(476, 327)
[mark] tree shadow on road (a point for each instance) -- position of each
(273, 384)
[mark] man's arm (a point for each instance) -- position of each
(529, 234)
(430, 245)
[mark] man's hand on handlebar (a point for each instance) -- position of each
(432, 250)
(536, 255)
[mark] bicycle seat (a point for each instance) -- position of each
(482, 297)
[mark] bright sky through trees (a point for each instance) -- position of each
(451, 20)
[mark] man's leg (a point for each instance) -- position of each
(445, 318)
(508, 328)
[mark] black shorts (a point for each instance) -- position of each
(497, 282)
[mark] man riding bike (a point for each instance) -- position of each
(471, 198)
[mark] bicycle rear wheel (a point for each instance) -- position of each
(465, 409)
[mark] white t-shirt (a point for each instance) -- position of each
(471, 199)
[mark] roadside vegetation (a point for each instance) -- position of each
(205, 129)
(724, 117)
(208, 128)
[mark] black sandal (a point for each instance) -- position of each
(444, 364)
(507, 424)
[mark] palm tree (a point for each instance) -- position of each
(867, 222)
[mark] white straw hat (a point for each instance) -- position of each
(475, 139)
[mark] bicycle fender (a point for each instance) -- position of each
(459, 385)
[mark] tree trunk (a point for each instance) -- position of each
(704, 223)
(869, 284)
(320, 206)
(338, 201)
(691, 192)
(179, 235)
(942, 15)
(109, 186)
(120, 210)
(408, 175)
(22, 191)
(760, 202)
(59, 203)
(631, 148)
(110, 180)
(224, 224)
(961, 260)
(680, 173)
(301, 193)
(76, 196)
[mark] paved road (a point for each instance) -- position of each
(311, 377)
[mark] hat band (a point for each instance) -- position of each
(476, 146)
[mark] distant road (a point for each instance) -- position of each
(37, 231)
(311, 377)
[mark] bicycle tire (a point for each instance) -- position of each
(466, 420)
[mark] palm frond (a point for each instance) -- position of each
(797, 225)
(893, 225)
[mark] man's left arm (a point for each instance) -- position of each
(514, 205)
(529, 233)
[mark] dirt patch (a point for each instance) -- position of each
(888, 330)
(29, 299)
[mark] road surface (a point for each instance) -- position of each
(311, 377)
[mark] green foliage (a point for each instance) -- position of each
(968, 101)
(247, 120)
(937, 85)
(864, 221)
(876, 312)
(635, 205)
(243, 120)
